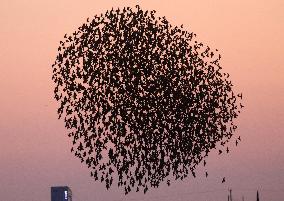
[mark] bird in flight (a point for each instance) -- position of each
(240, 95)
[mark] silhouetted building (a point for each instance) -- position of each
(61, 193)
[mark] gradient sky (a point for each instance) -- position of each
(34, 147)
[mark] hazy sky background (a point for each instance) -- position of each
(34, 147)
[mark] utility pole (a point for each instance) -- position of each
(243, 198)
(230, 195)
(257, 196)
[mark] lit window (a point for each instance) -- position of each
(65, 192)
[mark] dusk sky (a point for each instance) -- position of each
(34, 146)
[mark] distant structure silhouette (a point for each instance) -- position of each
(61, 193)
(142, 98)
(230, 198)
(257, 196)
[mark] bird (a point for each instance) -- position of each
(227, 150)
(220, 152)
(240, 95)
(223, 180)
(168, 182)
(206, 174)
(219, 56)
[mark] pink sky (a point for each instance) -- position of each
(34, 147)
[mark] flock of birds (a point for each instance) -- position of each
(142, 99)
